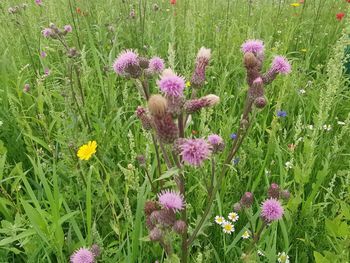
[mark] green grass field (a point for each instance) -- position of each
(52, 203)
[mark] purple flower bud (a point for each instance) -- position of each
(26, 88)
(141, 160)
(95, 250)
(247, 199)
(155, 234)
(68, 28)
(167, 130)
(180, 227)
(237, 207)
(143, 62)
(273, 191)
(260, 102)
(285, 195)
(144, 118)
(150, 207)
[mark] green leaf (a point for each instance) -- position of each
(171, 172)
(319, 258)
(172, 259)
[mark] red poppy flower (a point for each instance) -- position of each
(348, 1)
(173, 2)
(340, 16)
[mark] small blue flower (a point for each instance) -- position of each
(281, 113)
(233, 136)
(236, 161)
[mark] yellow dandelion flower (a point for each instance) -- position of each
(188, 84)
(295, 4)
(87, 150)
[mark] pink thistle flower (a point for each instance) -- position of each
(171, 84)
(171, 200)
(271, 210)
(47, 32)
(43, 54)
(281, 65)
(47, 72)
(253, 45)
(195, 151)
(82, 255)
(39, 2)
(216, 142)
(156, 65)
(125, 59)
(68, 28)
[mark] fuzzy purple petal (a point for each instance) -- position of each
(280, 64)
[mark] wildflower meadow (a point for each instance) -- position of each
(174, 131)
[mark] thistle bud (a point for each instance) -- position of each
(175, 104)
(150, 207)
(285, 195)
(167, 130)
(150, 224)
(194, 105)
(180, 227)
(165, 217)
(157, 105)
(144, 118)
(247, 199)
(95, 250)
(143, 62)
(260, 102)
(177, 145)
(72, 53)
(26, 88)
(155, 234)
(141, 160)
(237, 207)
(274, 191)
(202, 61)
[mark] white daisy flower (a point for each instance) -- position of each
(227, 227)
(233, 216)
(289, 165)
(246, 235)
(219, 220)
(283, 257)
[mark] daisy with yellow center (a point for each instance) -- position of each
(227, 227)
(188, 84)
(246, 235)
(295, 4)
(233, 216)
(283, 257)
(87, 150)
(219, 220)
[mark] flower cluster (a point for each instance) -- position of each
(227, 225)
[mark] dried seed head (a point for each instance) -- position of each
(212, 99)
(157, 105)
(250, 60)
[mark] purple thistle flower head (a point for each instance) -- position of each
(171, 200)
(125, 59)
(171, 84)
(281, 65)
(215, 139)
(195, 151)
(216, 142)
(39, 2)
(82, 255)
(253, 45)
(47, 32)
(68, 28)
(156, 65)
(281, 113)
(43, 54)
(271, 210)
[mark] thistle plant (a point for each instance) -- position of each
(165, 115)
